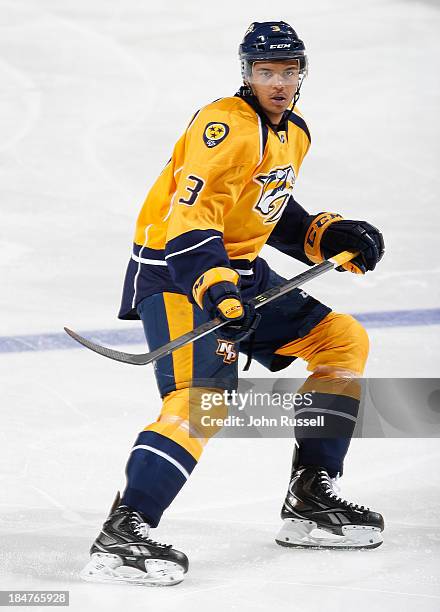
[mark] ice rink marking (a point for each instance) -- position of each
(134, 335)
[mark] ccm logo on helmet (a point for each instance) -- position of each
(283, 46)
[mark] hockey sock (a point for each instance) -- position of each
(336, 400)
(157, 469)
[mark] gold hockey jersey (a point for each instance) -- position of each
(218, 200)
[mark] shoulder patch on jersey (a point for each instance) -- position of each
(299, 122)
(215, 133)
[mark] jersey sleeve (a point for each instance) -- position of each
(288, 234)
(218, 156)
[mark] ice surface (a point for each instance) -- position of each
(93, 96)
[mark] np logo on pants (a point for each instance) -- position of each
(226, 349)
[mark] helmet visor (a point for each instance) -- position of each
(271, 73)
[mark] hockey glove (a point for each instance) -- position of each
(329, 234)
(217, 293)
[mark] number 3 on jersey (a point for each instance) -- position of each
(193, 189)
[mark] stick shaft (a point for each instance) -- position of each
(213, 324)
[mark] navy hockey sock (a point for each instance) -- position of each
(326, 446)
(157, 469)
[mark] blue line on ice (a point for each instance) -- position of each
(60, 341)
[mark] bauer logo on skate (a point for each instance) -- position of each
(215, 133)
(226, 349)
(276, 189)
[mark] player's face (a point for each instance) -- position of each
(275, 84)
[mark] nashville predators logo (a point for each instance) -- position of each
(275, 192)
(226, 349)
(215, 133)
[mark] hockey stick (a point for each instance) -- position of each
(213, 324)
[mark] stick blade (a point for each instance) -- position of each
(132, 359)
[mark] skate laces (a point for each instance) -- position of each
(142, 529)
(329, 484)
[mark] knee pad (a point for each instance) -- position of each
(346, 346)
(338, 343)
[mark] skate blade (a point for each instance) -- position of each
(105, 567)
(298, 533)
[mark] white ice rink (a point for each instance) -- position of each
(93, 95)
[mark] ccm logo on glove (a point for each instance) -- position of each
(328, 234)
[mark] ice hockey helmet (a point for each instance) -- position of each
(271, 40)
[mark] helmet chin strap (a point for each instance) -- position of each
(297, 93)
(248, 89)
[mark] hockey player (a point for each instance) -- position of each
(227, 191)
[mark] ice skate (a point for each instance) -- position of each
(314, 516)
(123, 553)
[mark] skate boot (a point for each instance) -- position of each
(312, 504)
(123, 553)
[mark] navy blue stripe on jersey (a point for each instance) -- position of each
(145, 279)
(299, 122)
(264, 134)
(147, 255)
(288, 234)
(155, 454)
(142, 280)
(243, 264)
(191, 254)
(193, 118)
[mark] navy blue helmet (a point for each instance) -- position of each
(271, 40)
